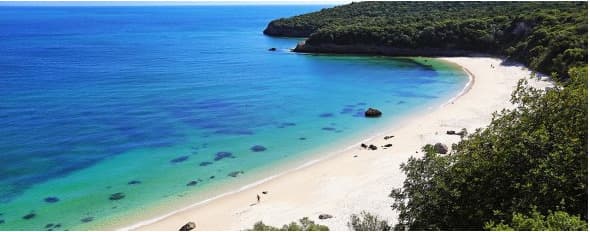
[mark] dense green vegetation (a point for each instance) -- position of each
(367, 222)
(304, 225)
(529, 162)
(546, 36)
(554, 221)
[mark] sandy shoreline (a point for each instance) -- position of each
(344, 184)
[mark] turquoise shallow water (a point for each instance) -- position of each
(108, 111)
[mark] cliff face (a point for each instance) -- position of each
(275, 28)
(379, 50)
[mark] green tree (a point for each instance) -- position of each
(531, 157)
(367, 222)
(304, 224)
(556, 221)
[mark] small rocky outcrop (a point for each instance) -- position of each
(372, 113)
(188, 226)
(372, 147)
(450, 132)
(388, 145)
(364, 145)
(388, 137)
(272, 49)
(325, 216)
(441, 148)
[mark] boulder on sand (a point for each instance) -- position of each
(325, 216)
(372, 113)
(188, 226)
(441, 148)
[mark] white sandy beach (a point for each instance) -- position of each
(343, 184)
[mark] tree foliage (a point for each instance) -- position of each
(534, 157)
(547, 36)
(555, 221)
(367, 222)
(304, 225)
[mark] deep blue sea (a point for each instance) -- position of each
(110, 112)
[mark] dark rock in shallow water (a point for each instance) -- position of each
(205, 163)
(117, 196)
(1, 221)
(272, 49)
(179, 159)
(441, 148)
(372, 113)
(57, 225)
(258, 148)
(212, 177)
(328, 128)
(326, 115)
(87, 219)
(49, 225)
(192, 183)
(235, 173)
(325, 216)
(51, 199)
(133, 182)
(222, 155)
(29, 216)
(302, 138)
(188, 226)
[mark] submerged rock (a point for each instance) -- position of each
(205, 164)
(29, 216)
(222, 155)
(87, 219)
(51, 199)
(179, 159)
(272, 49)
(302, 138)
(235, 173)
(117, 196)
(133, 182)
(326, 115)
(258, 148)
(441, 148)
(372, 113)
(192, 183)
(188, 226)
(328, 128)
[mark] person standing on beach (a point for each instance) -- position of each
(257, 198)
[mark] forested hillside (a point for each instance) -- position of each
(546, 36)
